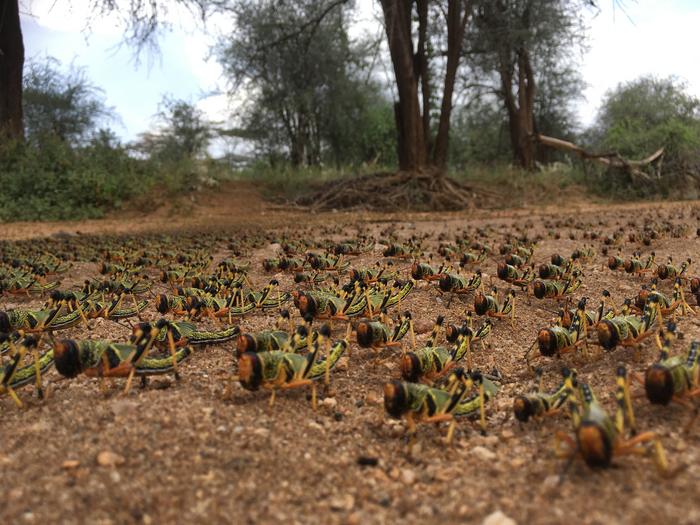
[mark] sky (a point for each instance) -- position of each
(657, 37)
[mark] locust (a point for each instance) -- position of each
(539, 403)
(628, 330)
(598, 436)
(184, 333)
(99, 358)
(15, 375)
(285, 370)
(550, 289)
(420, 403)
(491, 305)
(376, 335)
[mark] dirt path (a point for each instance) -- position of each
(188, 454)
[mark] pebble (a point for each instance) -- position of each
(408, 476)
(551, 482)
(70, 463)
(517, 462)
(374, 399)
(329, 402)
(107, 458)
(483, 453)
(344, 502)
(498, 518)
(262, 432)
(343, 363)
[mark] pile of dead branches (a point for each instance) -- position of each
(399, 191)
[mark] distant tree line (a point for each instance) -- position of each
(471, 81)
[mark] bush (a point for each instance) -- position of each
(56, 182)
(641, 116)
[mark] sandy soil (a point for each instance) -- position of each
(191, 455)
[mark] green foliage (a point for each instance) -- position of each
(308, 92)
(648, 113)
(184, 133)
(57, 182)
(479, 135)
(69, 168)
(58, 104)
(641, 116)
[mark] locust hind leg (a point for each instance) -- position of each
(14, 397)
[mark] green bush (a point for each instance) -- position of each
(635, 120)
(55, 182)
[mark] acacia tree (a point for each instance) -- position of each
(184, 132)
(11, 64)
(61, 105)
(299, 70)
(414, 69)
(520, 41)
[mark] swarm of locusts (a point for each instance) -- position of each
(347, 301)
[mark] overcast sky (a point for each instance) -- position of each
(652, 36)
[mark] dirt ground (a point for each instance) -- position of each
(192, 455)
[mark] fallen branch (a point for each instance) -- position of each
(611, 160)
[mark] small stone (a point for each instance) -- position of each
(551, 482)
(415, 449)
(343, 364)
(329, 402)
(422, 326)
(316, 426)
(517, 462)
(262, 432)
(344, 502)
(107, 458)
(483, 453)
(463, 511)
(354, 519)
(374, 399)
(70, 464)
(498, 518)
(507, 434)
(408, 476)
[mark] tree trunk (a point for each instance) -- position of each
(456, 24)
(11, 64)
(506, 75)
(422, 69)
(526, 97)
(411, 140)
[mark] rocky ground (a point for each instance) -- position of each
(184, 452)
